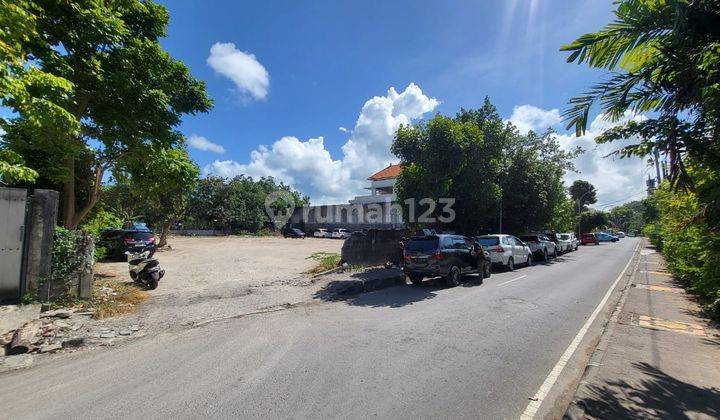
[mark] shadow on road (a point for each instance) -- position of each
(657, 396)
(354, 293)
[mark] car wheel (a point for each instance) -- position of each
(453, 277)
(511, 265)
(415, 279)
(529, 260)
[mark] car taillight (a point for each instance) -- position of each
(497, 249)
(436, 256)
(151, 240)
(406, 256)
(128, 240)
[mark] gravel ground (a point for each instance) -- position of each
(217, 277)
(201, 265)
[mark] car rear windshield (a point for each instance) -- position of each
(139, 236)
(564, 237)
(422, 244)
(489, 240)
(529, 238)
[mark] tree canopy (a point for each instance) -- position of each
(98, 91)
(488, 167)
(583, 193)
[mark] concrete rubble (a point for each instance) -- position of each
(54, 331)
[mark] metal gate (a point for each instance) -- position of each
(12, 232)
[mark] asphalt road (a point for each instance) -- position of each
(406, 352)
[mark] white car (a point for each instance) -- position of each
(322, 233)
(620, 234)
(340, 234)
(506, 250)
(565, 242)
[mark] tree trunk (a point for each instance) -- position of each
(68, 197)
(164, 229)
(92, 199)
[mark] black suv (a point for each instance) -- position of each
(448, 256)
(117, 241)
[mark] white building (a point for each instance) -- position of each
(382, 187)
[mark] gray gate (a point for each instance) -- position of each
(12, 232)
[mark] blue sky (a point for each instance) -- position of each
(285, 76)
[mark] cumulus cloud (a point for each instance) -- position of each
(308, 165)
(617, 180)
(343, 129)
(201, 143)
(250, 77)
(528, 117)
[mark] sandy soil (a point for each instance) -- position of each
(215, 277)
(205, 264)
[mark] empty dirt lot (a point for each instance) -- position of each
(211, 264)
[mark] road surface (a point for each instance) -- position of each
(478, 351)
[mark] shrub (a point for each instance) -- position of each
(691, 247)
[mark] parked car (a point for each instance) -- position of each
(606, 237)
(574, 240)
(562, 245)
(137, 226)
(448, 256)
(564, 242)
(620, 234)
(569, 240)
(293, 233)
(322, 233)
(340, 233)
(506, 250)
(540, 245)
(589, 238)
(117, 241)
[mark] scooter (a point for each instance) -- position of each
(144, 269)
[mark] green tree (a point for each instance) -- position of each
(162, 183)
(582, 193)
(592, 219)
(114, 87)
(487, 166)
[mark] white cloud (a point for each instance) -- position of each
(616, 180)
(309, 167)
(201, 143)
(528, 117)
(343, 129)
(250, 77)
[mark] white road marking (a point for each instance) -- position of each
(546, 386)
(510, 281)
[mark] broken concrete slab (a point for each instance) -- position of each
(13, 317)
(19, 361)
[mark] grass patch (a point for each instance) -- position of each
(325, 261)
(113, 297)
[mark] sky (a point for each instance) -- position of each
(312, 92)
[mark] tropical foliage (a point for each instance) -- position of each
(664, 58)
(495, 174)
(99, 93)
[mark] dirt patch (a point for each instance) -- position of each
(209, 265)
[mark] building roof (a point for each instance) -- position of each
(390, 172)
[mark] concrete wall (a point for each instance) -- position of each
(41, 220)
(375, 247)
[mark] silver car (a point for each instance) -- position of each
(541, 246)
(506, 250)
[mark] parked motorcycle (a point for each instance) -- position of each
(144, 269)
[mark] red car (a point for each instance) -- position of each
(589, 238)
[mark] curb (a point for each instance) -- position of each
(357, 286)
(576, 410)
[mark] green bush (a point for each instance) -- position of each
(691, 247)
(102, 219)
